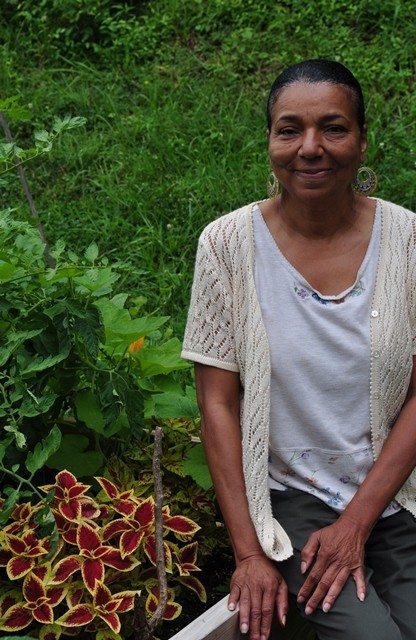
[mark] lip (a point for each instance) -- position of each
(313, 174)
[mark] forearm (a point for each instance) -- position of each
(222, 442)
(389, 472)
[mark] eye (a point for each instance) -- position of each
(286, 132)
(335, 129)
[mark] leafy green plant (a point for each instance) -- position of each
(76, 360)
(103, 541)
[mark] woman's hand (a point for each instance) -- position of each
(259, 588)
(332, 554)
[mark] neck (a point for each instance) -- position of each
(322, 219)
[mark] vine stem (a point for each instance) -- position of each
(29, 197)
(160, 553)
(22, 480)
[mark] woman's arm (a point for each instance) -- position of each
(337, 551)
(256, 583)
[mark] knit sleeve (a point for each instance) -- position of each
(411, 288)
(209, 335)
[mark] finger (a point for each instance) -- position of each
(308, 553)
(282, 602)
(312, 581)
(233, 597)
(267, 607)
(360, 583)
(321, 589)
(255, 614)
(335, 589)
(245, 606)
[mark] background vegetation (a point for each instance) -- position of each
(173, 92)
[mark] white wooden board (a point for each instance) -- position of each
(218, 623)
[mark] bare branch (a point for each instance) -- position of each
(26, 189)
(160, 555)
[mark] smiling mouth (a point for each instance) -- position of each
(313, 174)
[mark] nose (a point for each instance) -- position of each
(311, 144)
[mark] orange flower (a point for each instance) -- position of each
(136, 345)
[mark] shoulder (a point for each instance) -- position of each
(398, 215)
(224, 228)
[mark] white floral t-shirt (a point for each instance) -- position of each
(320, 374)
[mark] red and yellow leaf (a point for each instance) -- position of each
(55, 595)
(92, 570)
(70, 510)
(188, 555)
(126, 599)
(173, 610)
(151, 604)
(5, 556)
(87, 537)
(65, 568)
(150, 551)
(79, 616)
(65, 479)
(129, 542)
(43, 613)
(19, 567)
(16, 618)
(33, 589)
(145, 513)
(102, 595)
(114, 528)
(193, 583)
(74, 595)
(16, 545)
(50, 632)
(8, 600)
(181, 525)
(108, 487)
(112, 620)
(113, 559)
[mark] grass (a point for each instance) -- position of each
(174, 95)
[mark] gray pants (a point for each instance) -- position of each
(389, 610)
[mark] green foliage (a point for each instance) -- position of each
(75, 359)
(176, 127)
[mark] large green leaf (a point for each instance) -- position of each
(195, 465)
(162, 358)
(37, 458)
(120, 328)
(172, 405)
(89, 410)
(97, 281)
(40, 364)
(72, 455)
(32, 406)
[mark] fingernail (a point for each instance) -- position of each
(300, 599)
(326, 607)
(361, 596)
(308, 611)
(284, 620)
(244, 627)
(231, 606)
(302, 567)
(263, 638)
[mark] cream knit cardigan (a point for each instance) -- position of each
(225, 329)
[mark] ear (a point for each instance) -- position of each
(363, 143)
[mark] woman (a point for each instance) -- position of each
(302, 326)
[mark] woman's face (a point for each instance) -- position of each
(315, 144)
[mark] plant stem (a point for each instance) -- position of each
(26, 189)
(160, 553)
(22, 480)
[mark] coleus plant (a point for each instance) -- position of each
(71, 583)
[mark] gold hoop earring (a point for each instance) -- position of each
(273, 186)
(365, 182)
